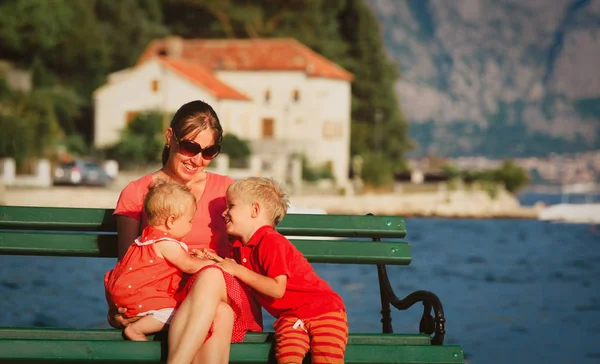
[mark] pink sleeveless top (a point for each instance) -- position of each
(208, 225)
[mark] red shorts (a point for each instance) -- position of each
(246, 312)
(325, 336)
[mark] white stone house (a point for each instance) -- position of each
(276, 93)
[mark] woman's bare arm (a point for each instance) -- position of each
(127, 230)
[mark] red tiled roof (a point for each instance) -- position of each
(285, 54)
(203, 77)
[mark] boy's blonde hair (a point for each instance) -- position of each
(166, 198)
(266, 191)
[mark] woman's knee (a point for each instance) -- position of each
(224, 313)
(210, 273)
(210, 278)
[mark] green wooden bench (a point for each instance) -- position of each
(87, 232)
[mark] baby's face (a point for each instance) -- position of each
(183, 224)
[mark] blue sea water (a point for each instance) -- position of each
(519, 291)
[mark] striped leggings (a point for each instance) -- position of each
(325, 336)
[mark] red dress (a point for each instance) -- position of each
(208, 232)
(247, 315)
(142, 281)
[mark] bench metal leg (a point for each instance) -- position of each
(386, 312)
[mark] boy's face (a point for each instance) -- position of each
(183, 224)
(237, 215)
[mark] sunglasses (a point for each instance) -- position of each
(190, 148)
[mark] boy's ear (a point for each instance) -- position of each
(255, 211)
(170, 221)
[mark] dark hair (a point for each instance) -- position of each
(191, 119)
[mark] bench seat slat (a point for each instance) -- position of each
(250, 338)
(90, 244)
(151, 351)
(90, 219)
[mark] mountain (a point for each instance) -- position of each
(498, 78)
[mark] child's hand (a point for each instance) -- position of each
(203, 254)
(117, 320)
(229, 265)
(211, 254)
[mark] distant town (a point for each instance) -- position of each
(581, 170)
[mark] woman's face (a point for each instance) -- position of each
(184, 167)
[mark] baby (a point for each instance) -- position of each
(146, 279)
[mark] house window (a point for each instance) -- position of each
(329, 165)
(268, 128)
(296, 95)
(155, 85)
(130, 115)
(332, 130)
(267, 96)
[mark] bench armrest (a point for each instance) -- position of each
(428, 324)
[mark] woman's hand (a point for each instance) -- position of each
(117, 320)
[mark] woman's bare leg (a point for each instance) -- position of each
(216, 348)
(193, 318)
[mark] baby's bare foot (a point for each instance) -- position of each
(134, 335)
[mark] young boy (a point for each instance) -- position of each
(146, 279)
(309, 314)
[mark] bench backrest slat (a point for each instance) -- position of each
(93, 219)
(91, 244)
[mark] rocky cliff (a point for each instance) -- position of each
(500, 78)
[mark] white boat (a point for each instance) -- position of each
(585, 213)
(305, 210)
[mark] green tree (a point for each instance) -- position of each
(377, 123)
(313, 172)
(141, 142)
(76, 146)
(73, 45)
(237, 149)
(451, 171)
(374, 163)
(28, 122)
(512, 176)
(128, 27)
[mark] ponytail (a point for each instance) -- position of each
(165, 154)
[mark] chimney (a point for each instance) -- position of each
(173, 47)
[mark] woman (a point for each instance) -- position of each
(210, 296)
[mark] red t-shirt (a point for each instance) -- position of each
(271, 254)
(208, 224)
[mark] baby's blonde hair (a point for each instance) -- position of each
(266, 191)
(167, 198)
